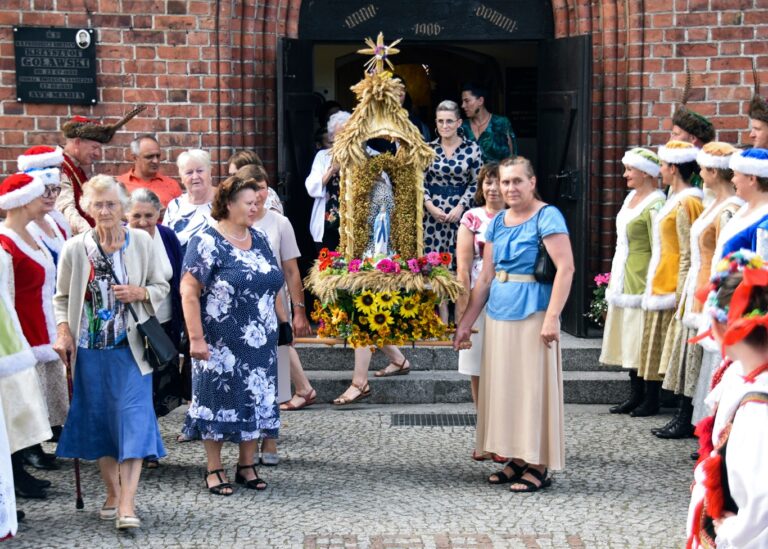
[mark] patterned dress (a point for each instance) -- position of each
(493, 141)
(186, 219)
(234, 393)
(449, 182)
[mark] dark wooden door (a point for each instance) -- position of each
(295, 130)
(563, 143)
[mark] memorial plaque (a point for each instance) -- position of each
(55, 65)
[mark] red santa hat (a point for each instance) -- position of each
(20, 189)
(43, 162)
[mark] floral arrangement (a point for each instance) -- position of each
(734, 262)
(598, 307)
(381, 300)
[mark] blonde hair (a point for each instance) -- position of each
(101, 184)
(449, 106)
(518, 161)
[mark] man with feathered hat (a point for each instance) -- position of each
(758, 115)
(84, 138)
(687, 124)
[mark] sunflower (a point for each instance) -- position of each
(387, 300)
(380, 319)
(409, 308)
(366, 302)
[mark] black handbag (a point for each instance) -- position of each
(544, 269)
(156, 341)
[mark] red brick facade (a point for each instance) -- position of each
(207, 68)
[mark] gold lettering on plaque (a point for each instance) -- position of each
(363, 14)
(496, 18)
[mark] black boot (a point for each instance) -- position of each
(25, 484)
(636, 391)
(650, 405)
(681, 428)
(37, 458)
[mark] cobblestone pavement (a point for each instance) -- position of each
(349, 479)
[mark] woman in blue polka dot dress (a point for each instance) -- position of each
(450, 181)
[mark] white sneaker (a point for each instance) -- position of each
(269, 459)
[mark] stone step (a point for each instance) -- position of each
(440, 386)
(579, 355)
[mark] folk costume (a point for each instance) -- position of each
(683, 361)
(73, 176)
(670, 259)
(33, 283)
(729, 480)
(629, 270)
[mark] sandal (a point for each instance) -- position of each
(220, 488)
(502, 477)
(308, 399)
(151, 463)
(541, 476)
(253, 484)
(482, 456)
(365, 392)
(400, 369)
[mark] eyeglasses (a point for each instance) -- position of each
(111, 206)
(445, 122)
(51, 191)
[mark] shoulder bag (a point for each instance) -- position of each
(544, 269)
(156, 341)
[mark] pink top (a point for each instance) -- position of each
(477, 220)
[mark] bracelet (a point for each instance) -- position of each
(300, 304)
(146, 294)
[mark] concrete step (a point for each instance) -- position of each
(441, 386)
(579, 355)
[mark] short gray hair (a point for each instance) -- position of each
(198, 155)
(136, 143)
(449, 106)
(145, 196)
(101, 184)
(336, 121)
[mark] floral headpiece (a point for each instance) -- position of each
(739, 321)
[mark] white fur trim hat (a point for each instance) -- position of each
(43, 162)
(19, 189)
(751, 162)
(715, 154)
(678, 152)
(644, 160)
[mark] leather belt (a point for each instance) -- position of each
(504, 276)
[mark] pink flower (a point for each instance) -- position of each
(396, 267)
(354, 266)
(433, 258)
(386, 265)
(333, 253)
(602, 279)
(413, 266)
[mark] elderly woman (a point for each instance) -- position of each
(322, 184)
(143, 213)
(469, 263)
(249, 158)
(520, 411)
(190, 213)
(101, 273)
(229, 290)
(28, 274)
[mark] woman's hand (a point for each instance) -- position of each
(65, 345)
(436, 213)
(198, 349)
(127, 293)
(301, 326)
(454, 216)
(461, 337)
(550, 330)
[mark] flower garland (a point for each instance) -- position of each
(405, 183)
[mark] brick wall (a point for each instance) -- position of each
(207, 69)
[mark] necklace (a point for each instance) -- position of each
(476, 127)
(233, 237)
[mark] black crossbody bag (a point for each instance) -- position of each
(156, 341)
(544, 269)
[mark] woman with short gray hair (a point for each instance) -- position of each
(190, 213)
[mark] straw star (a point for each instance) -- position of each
(380, 52)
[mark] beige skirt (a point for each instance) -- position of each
(53, 381)
(520, 405)
(26, 415)
(621, 347)
(471, 359)
(655, 327)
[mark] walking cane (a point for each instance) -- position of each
(78, 489)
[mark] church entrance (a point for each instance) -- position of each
(542, 85)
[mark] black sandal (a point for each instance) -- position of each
(502, 478)
(541, 476)
(221, 486)
(253, 484)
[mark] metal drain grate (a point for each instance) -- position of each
(433, 420)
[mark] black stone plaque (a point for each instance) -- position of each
(454, 20)
(55, 65)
